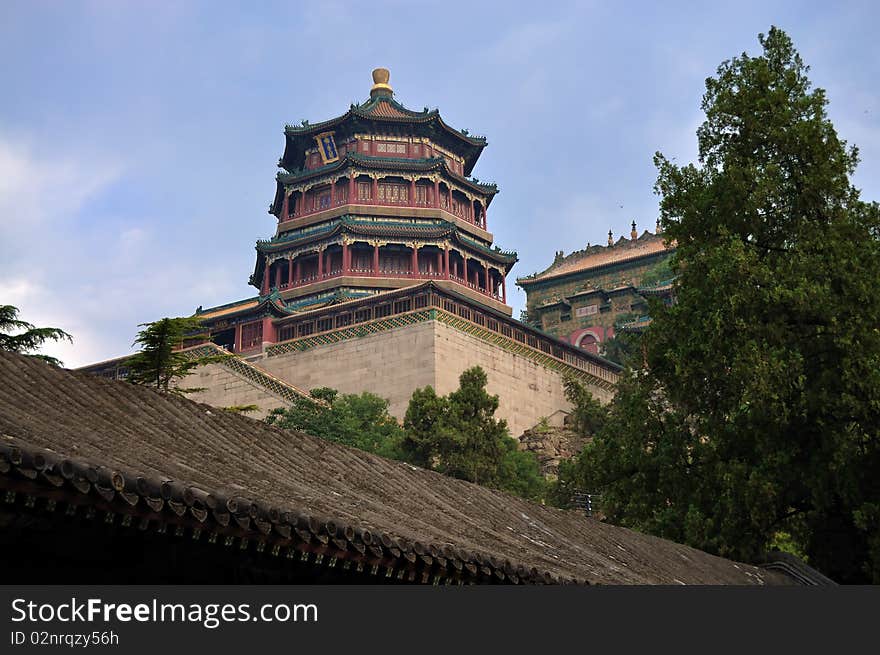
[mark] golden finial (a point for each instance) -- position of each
(634, 234)
(610, 238)
(657, 228)
(380, 83)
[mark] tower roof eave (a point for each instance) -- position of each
(270, 302)
(352, 225)
(393, 164)
(383, 109)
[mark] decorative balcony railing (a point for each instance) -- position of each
(390, 273)
(460, 212)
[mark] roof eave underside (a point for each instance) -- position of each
(389, 163)
(297, 140)
(508, 259)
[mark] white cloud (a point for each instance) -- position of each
(39, 306)
(41, 195)
(38, 189)
(68, 261)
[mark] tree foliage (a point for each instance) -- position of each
(24, 338)
(459, 435)
(758, 416)
(160, 362)
(624, 348)
(588, 418)
(456, 434)
(358, 420)
(659, 272)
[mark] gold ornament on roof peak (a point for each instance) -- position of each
(380, 83)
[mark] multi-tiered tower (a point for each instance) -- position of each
(378, 199)
(382, 276)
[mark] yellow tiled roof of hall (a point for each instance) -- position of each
(597, 256)
(229, 309)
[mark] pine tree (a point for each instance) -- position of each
(160, 362)
(22, 337)
(757, 420)
(458, 435)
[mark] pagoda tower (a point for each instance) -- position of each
(378, 199)
(382, 276)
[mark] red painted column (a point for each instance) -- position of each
(265, 288)
(439, 263)
(488, 290)
(285, 206)
(268, 330)
(346, 258)
(352, 198)
(483, 212)
(503, 291)
(237, 346)
(412, 193)
(320, 264)
(304, 209)
(290, 272)
(376, 259)
(333, 194)
(375, 195)
(297, 273)
(436, 198)
(278, 278)
(446, 263)
(415, 260)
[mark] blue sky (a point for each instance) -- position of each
(139, 140)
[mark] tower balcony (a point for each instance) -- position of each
(494, 294)
(385, 266)
(390, 192)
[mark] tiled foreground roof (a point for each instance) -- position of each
(132, 450)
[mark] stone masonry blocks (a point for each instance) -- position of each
(394, 363)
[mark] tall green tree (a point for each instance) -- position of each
(427, 435)
(160, 362)
(358, 420)
(588, 418)
(22, 337)
(759, 414)
(458, 435)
